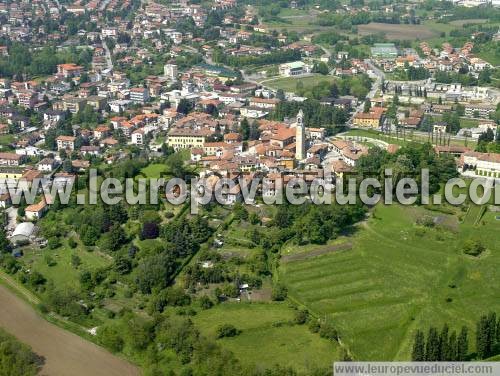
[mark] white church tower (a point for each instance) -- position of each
(300, 137)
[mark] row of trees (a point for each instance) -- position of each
(275, 57)
(488, 336)
(315, 224)
(408, 162)
(446, 346)
(440, 346)
(314, 113)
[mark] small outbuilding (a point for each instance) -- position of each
(23, 232)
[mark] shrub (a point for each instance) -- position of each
(426, 221)
(53, 242)
(314, 326)
(328, 331)
(72, 243)
(110, 337)
(301, 316)
(227, 330)
(49, 260)
(279, 292)
(206, 303)
(473, 247)
(76, 261)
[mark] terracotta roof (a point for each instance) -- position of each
(35, 208)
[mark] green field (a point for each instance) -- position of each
(400, 277)
(63, 273)
(268, 336)
(289, 84)
(154, 170)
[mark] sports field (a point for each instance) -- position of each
(289, 84)
(397, 277)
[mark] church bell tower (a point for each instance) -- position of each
(300, 137)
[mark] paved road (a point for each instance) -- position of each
(65, 353)
(109, 60)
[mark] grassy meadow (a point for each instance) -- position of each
(268, 336)
(399, 277)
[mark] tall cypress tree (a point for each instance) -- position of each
(498, 331)
(432, 347)
(463, 344)
(453, 347)
(443, 344)
(418, 354)
(483, 340)
(492, 327)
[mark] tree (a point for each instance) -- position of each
(367, 106)
(245, 129)
(334, 90)
(4, 242)
(279, 292)
(254, 133)
(444, 351)
(184, 106)
(240, 212)
(453, 347)
(175, 163)
(320, 68)
(155, 272)
(432, 346)
(418, 353)
(123, 265)
(89, 235)
(498, 331)
(150, 230)
(483, 338)
(109, 336)
(116, 237)
(280, 94)
(462, 344)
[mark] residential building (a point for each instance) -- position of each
(372, 119)
(186, 138)
(65, 143)
(47, 165)
(69, 70)
(10, 159)
(139, 95)
(36, 211)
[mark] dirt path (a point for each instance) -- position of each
(65, 353)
